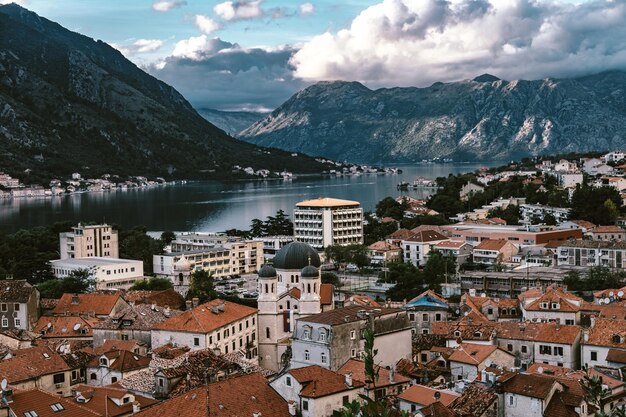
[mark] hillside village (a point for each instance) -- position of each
(525, 315)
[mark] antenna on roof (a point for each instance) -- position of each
(76, 327)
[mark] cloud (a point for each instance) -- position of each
(206, 24)
(218, 74)
(166, 6)
(403, 42)
(306, 8)
(239, 10)
(140, 46)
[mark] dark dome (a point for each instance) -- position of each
(309, 271)
(267, 271)
(296, 255)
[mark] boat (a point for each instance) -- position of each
(403, 185)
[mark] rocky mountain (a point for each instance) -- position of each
(484, 118)
(69, 103)
(231, 122)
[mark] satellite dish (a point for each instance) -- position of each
(49, 325)
(601, 301)
(3, 384)
(607, 300)
(540, 370)
(461, 385)
(483, 295)
(76, 327)
(611, 294)
(458, 311)
(487, 363)
(620, 294)
(466, 313)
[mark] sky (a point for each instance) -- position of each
(255, 54)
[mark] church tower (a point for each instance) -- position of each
(310, 291)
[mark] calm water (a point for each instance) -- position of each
(211, 206)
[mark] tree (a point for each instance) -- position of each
(549, 219)
(201, 286)
(257, 228)
(135, 243)
(437, 268)
(594, 391)
(153, 284)
(590, 203)
(167, 237)
(331, 278)
(77, 282)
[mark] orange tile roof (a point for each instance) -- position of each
(491, 244)
(31, 363)
(201, 319)
(327, 202)
(115, 344)
(320, 382)
(97, 396)
(607, 229)
(562, 374)
(347, 314)
(121, 360)
(166, 298)
(616, 355)
(601, 334)
(357, 368)
(63, 326)
(540, 332)
(471, 353)
(426, 236)
(41, 402)
(584, 224)
(326, 294)
(400, 234)
(476, 399)
(101, 304)
(568, 302)
(362, 300)
(16, 291)
(451, 244)
(246, 394)
(476, 330)
(383, 245)
(528, 385)
(420, 394)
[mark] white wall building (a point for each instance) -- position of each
(89, 241)
(109, 273)
(416, 248)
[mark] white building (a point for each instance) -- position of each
(109, 273)
(539, 211)
(272, 244)
(614, 156)
(89, 241)
(417, 247)
(604, 336)
(327, 222)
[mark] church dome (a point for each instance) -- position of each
(182, 265)
(309, 271)
(267, 271)
(296, 255)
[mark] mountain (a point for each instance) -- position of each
(69, 103)
(484, 118)
(231, 122)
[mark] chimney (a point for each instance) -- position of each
(74, 298)
(292, 408)
(592, 320)
(195, 301)
(188, 304)
(586, 335)
(558, 324)
(136, 407)
(256, 414)
(166, 312)
(392, 374)
(348, 378)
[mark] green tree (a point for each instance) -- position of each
(135, 243)
(595, 391)
(331, 278)
(278, 224)
(437, 269)
(153, 284)
(590, 203)
(549, 219)
(167, 237)
(201, 286)
(257, 228)
(77, 282)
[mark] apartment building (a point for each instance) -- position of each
(475, 233)
(327, 221)
(538, 211)
(19, 305)
(272, 244)
(108, 272)
(417, 247)
(89, 241)
(216, 261)
(588, 253)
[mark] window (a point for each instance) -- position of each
(324, 359)
(307, 355)
(438, 317)
(345, 400)
(524, 349)
(3, 307)
(412, 316)
(322, 335)
(425, 317)
(457, 333)
(424, 331)
(219, 335)
(5, 322)
(114, 380)
(124, 337)
(353, 353)
(511, 401)
(161, 382)
(267, 332)
(74, 375)
(594, 355)
(31, 414)
(307, 333)
(558, 351)
(305, 405)
(58, 378)
(18, 322)
(490, 311)
(424, 357)
(509, 347)
(103, 362)
(93, 376)
(16, 307)
(288, 381)
(57, 407)
(196, 341)
(545, 350)
(352, 334)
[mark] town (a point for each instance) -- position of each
(501, 294)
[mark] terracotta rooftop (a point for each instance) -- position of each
(362, 300)
(383, 245)
(476, 399)
(65, 326)
(451, 244)
(430, 227)
(616, 355)
(327, 202)
(101, 304)
(476, 330)
(121, 361)
(584, 224)
(472, 354)
(533, 386)
(348, 314)
(567, 302)
(319, 382)
(357, 368)
(31, 363)
(437, 409)
(562, 374)
(607, 229)
(115, 344)
(491, 244)
(247, 394)
(48, 303)
(166, 298)
(420, 394)
(16, 291)
(426, 236)
(206, 318)
(558, 407)
(539, 332)
(42, 403)
(400, 234)
(138, 317)
(326, 294)
(109, 401)
(606, 332)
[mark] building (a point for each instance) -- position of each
(109, 401)
(469, 359)
(327, 222)
(101, 305)
(474, 233)
(89, 241)
(611, 254)
(246, 256)
(217, 324)
(492, 252)
(331, 338)
(418, 396)
(459, 251)
(246, 395)
(603, 342)
(192, 241)
(68, 328)
(35, 402)
(470, 189)
(178, 266)
(417, 247)
(426, 308)
(553, 304)
(510, 283)
(272, 244)
(532, 212)
(383, 252)
(389, 383)
(317, 391)
(113, 366)
(290, 289)
(19, 305)
(608, 233)
(108, 273)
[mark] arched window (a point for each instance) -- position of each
(267, 332)
(272, 288)
(288, 305)
(93, 376)
(180, 277)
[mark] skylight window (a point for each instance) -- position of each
(31, 414)
(57, 407)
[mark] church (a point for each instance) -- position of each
(289, 289)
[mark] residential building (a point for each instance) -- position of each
(492, 252)
(19, 305)
(614, 156)
(217, 324)
(492, 309)
(178, 266)
(418, 396)
(66, 327)
(317, 391)
(246, 256)
(109, 401)
(326, 222)
(611, 254)
(506, 284)
(197, 241)
(565, 166)
(331, 338)
(113, 366)
(569, 179)
(532, 212)
(604, 336)
(417, 247)
(382, 253)
(108, 273)
(133, 323)
(553, 304)
(272, 244)
(389, 383)
(96, 304)
(474, 233)
(459, 251)
(469, 359)
(87, 241)
(37, 403)
(245, 395)
(290, 289)
(608, 233)
(426, 308)
(472, 328)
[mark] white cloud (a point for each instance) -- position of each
(404, 42)
(167, 5)
(140, 46)
(199, 47)
(306, 8)
(206, 24)
(239, 10)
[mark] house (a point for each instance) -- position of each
(611, 254)
(459, 251)
(471, 329)
(110, 401)
(360, 300)
(565, 166)
(418, 396)
(98, 304)
(493, 309)
(417, 247)
(165, 298)
(134, 322)
(317, 391)
(113, 366)
(37, 403)
(426, 308)
(383, 252)
(19, 305)
(388, 382)
(66, 327)
(532, 212)
(470, 189)
(247, 395)
(477, 400)
(608, 233)
(18, 339)
(217, 324)
(552, 305)
(469, 359)
(602, 337)
(491, 252)
(107, 273)
(331, 338)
